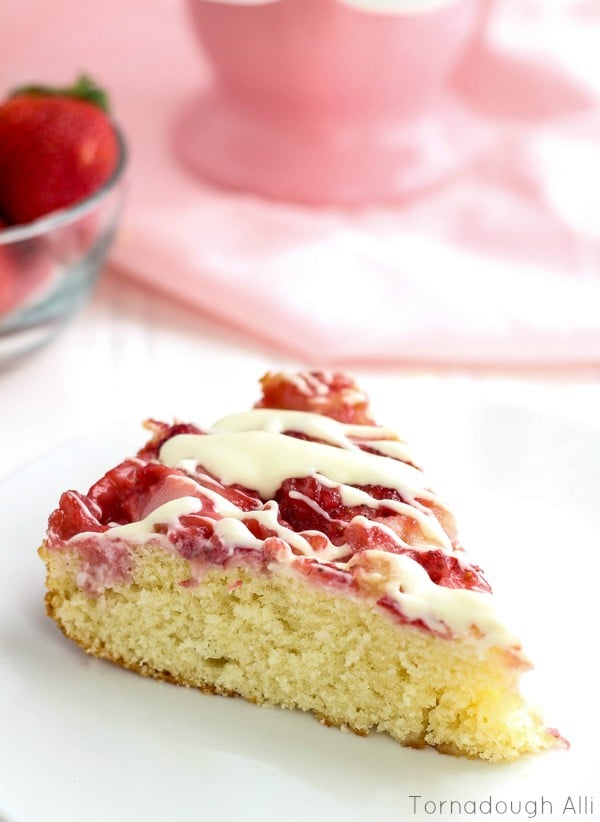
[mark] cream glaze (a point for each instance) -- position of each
(444, 610)
(262, 461)
(252, 450)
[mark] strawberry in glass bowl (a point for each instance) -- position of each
(62, 160)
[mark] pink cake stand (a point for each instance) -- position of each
(321, 102)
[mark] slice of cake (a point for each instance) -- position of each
(295, 555)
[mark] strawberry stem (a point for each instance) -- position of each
(83, 89)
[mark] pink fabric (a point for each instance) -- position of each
(499, 266)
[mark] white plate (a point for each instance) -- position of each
(82, 740)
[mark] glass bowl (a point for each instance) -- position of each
(48, 267)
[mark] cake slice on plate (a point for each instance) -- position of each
(294, 554)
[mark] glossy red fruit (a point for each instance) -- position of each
(56, 148)
(332, 394)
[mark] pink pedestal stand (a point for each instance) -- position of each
(317, 102)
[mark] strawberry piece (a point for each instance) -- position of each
(334, 395)
(75, 513)
(161, 432)
(133, 489)
(56, 148)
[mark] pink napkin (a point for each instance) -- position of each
(499, 266)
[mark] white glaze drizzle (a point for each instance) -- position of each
(310, 502)
(278, 421)
(390, 448)
(338, 434)
(166, 514)
(393, 575)
(442, 609)
(319, 427)
(229, 526)
(251, 450)
(428, 523)
(262, 461)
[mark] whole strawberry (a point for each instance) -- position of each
(56, 148)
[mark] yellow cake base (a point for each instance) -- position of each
(275, 639)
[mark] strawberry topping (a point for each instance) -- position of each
(334, 395)
(333, 544)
